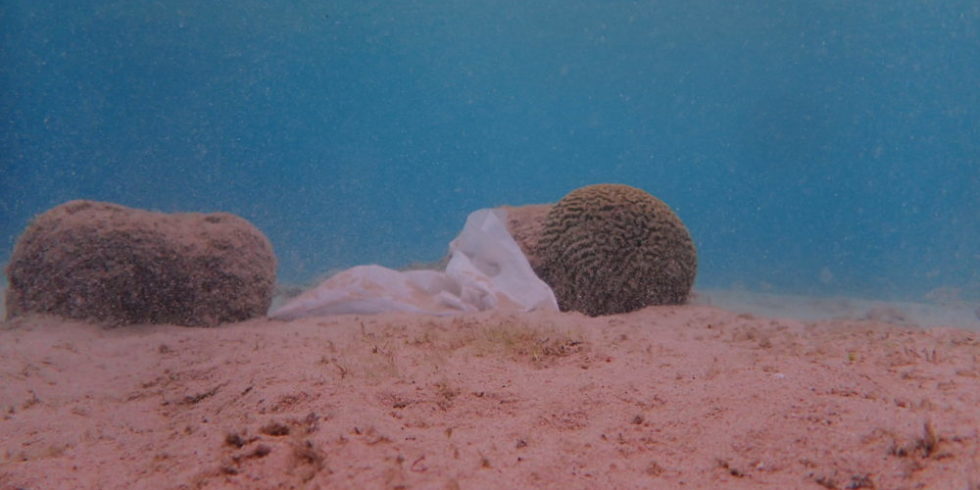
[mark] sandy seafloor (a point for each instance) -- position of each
(847, 395)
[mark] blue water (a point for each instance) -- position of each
(811, 147)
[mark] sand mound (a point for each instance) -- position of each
(665, 397)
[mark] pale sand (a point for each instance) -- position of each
(667, 397)
(957, 313)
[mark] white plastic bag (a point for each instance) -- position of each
(487, 271)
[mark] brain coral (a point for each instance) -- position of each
(100, 261)
(612, 248)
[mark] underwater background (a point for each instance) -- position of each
(826, 148)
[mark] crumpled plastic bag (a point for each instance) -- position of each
(487, 271)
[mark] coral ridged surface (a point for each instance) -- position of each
(100, 261)
(611, 248)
